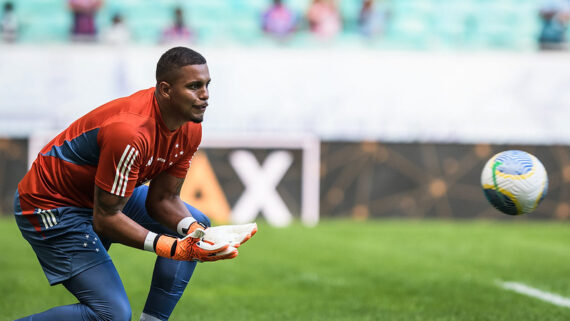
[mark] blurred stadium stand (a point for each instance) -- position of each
(414, 24)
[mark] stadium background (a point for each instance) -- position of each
(376, 143)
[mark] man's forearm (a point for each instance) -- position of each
(109, 222)
(119, 228)
(164, 204)
(170, 212)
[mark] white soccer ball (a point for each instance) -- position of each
(514, 182)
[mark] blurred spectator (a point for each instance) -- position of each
(324, 18)
(178, 32)
(118, 33)
(278, 20)
(9, 24)
(372, 18)
(84, 11)
(554, 16)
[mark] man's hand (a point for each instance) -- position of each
(192, 248)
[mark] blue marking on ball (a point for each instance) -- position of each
(514, 162)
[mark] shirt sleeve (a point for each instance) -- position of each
(180, 168)
(119, 159)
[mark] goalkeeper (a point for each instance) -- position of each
(85, 191)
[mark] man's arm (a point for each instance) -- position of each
(163, 201)
(163, 204)
(109, 222)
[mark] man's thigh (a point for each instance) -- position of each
(68, 247)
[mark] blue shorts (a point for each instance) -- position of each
(67, 244)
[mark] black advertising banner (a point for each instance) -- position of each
(360, 180)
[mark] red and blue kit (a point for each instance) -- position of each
(117, 147)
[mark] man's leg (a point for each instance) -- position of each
(101, 297)
(169, 280)
(170, 277)
(71, 253)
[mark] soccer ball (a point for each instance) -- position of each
(514, 182)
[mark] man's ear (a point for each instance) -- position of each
(164, 89)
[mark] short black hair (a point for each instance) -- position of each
(173, 59)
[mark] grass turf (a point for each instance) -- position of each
(340, 270)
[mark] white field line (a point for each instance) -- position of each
(536, 293)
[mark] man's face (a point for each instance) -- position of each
(189, 92)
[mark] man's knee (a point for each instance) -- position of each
(122, 311)
(114, 309)
(119, 310)
(101, 293)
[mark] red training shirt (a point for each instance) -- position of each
(117, 146)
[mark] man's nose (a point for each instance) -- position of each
(204, 94)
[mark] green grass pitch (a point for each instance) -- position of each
(340, 270)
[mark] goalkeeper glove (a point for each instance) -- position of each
(189, 248)
(188, 225)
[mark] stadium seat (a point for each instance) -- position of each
(413, 24)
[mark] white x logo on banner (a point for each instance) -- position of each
(260, 187)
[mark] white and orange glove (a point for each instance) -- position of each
(234, 235)
(189, 248)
